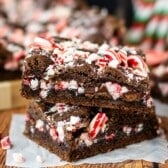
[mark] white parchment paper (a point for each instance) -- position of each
(151, 150)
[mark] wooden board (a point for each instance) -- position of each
(10, 95)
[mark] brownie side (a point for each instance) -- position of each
(84, 152)
(70, 97)
(116, 129)
(56, 112)
(67, 153)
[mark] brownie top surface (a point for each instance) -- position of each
(66, 53)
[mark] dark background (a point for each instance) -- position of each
(121, 8)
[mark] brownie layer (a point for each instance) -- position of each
(67, 60)
(82, 94)
(104, 130)
(84, 70)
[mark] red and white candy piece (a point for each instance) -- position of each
(110, 137)
(43, 43)
(53, 132)
(102, 62)
(40, 125)
(114, 89)
(61, 25)
(60, 107)
(127, 130)
(18, 158)
(61, 85)
(123, 57)
(97, 124)
(19, 55)
(113, 58)
(27, 117)
(137, 62)
(6, 143)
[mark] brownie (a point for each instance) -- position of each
(76, 132)
(85, 73)
(159, 81)
(12, 55)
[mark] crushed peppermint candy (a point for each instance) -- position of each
(110, 136)
(139, 128)
(34, 83)
(127, 130)
(106, 56)
(53, 133)
(42, 43)
(44, 94)
(74, 120)
(84, 138)
(115, 90)
(40, 125)
(60, 130)
(60, 108)
(18, 158)
(97, 124)
(6, 143)
(27, 117)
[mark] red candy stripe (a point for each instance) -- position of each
(98, 122)
(6, 143)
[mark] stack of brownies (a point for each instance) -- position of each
(87, 98)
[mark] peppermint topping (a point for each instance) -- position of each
(110, 137)
(18, 158)
(42, 44)
(127, 130)
(34, 83)
(6, 143)
(60, 108)
(149, 102)
(60, 130)
(40, 125)
(139, 128)
(97, 124)
(74, 120)
(44, 93)
(138, 65)
(53, 133)
(67, 54)
(115, 90)
(50, 71)
(84, 138)
(61, 85)
(72, 85)
(81, 90)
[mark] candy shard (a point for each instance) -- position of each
(6, 143)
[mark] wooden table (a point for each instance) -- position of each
(5, 118)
